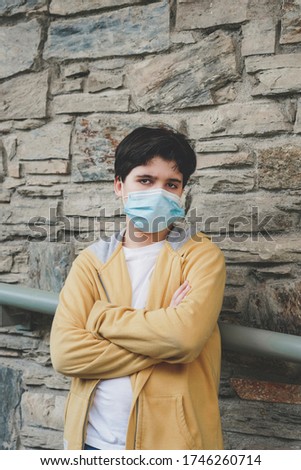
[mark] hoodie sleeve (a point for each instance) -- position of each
(77, 351)
(172, 334)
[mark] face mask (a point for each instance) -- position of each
(153, 210)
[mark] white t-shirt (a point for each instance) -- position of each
(109, 414)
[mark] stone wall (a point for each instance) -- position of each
(75, 77)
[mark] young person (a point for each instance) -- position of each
(136, 325)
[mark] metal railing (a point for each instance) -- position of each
(235, 338)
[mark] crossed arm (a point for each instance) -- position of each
(177, 333)
(75, 350)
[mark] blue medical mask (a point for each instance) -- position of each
(153, 210)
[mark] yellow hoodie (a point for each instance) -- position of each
(171, 353)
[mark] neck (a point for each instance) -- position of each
(134, 238)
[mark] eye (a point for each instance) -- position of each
(172, 185)
(144, 181)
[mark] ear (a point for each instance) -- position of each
(118, 186)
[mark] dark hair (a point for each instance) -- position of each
(145, 143)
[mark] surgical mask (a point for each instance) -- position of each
(153, 210)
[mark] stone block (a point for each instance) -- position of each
(94, 201)
(225, 94)
(6, 262)
(23, 210)
(273, 392)
(5, 195)
(20, 263)
(276, 306)
(10, 146)
(102, 80)
(236, 276)
(49, 264)
(6, 126)
(259, 37)
(279, 168)
(130, 30)
(230, 304)
(33, 438)
(3, 164)
(9, 232)
(279, 81)
(48, 142)
(279, 249)
(19, 343)
(37, 375)
(244, 441)
(215, 146)
(291, 22)
(224, 160)
(10, 417)
(274, 272)
(58, 382)
(75, 70)
(261, 419)
(236, 119)
(43, 410)
(21, 47)
(182, 37)
(12, 7)
(22, 125)
(297, 128)
(250, 213)
(264, 9)
(39, 191)
(47, 180)
(93, 151)
(24, 97)
(69, 7)
(114, 101)
(68, 86)
(48, 167)
(226, 181)
(96, 138)
(279, 61)
(186, 78)
(13, 170)
(107, 64)
(12, 183)
(202, 15)
(11, 278)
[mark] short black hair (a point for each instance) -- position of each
(145, 143)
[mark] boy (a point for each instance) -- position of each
(136, 325)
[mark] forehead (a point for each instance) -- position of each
(158, 167)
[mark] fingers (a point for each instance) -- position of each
(183, 286)
(180, 293)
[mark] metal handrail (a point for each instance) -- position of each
(235, 338)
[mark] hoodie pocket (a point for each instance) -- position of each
(162, 424)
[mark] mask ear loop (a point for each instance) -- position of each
(122, 195)
(120, 199)
(121, 204)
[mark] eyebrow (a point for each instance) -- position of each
(175, 180)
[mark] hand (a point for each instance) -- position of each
(180, 294)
